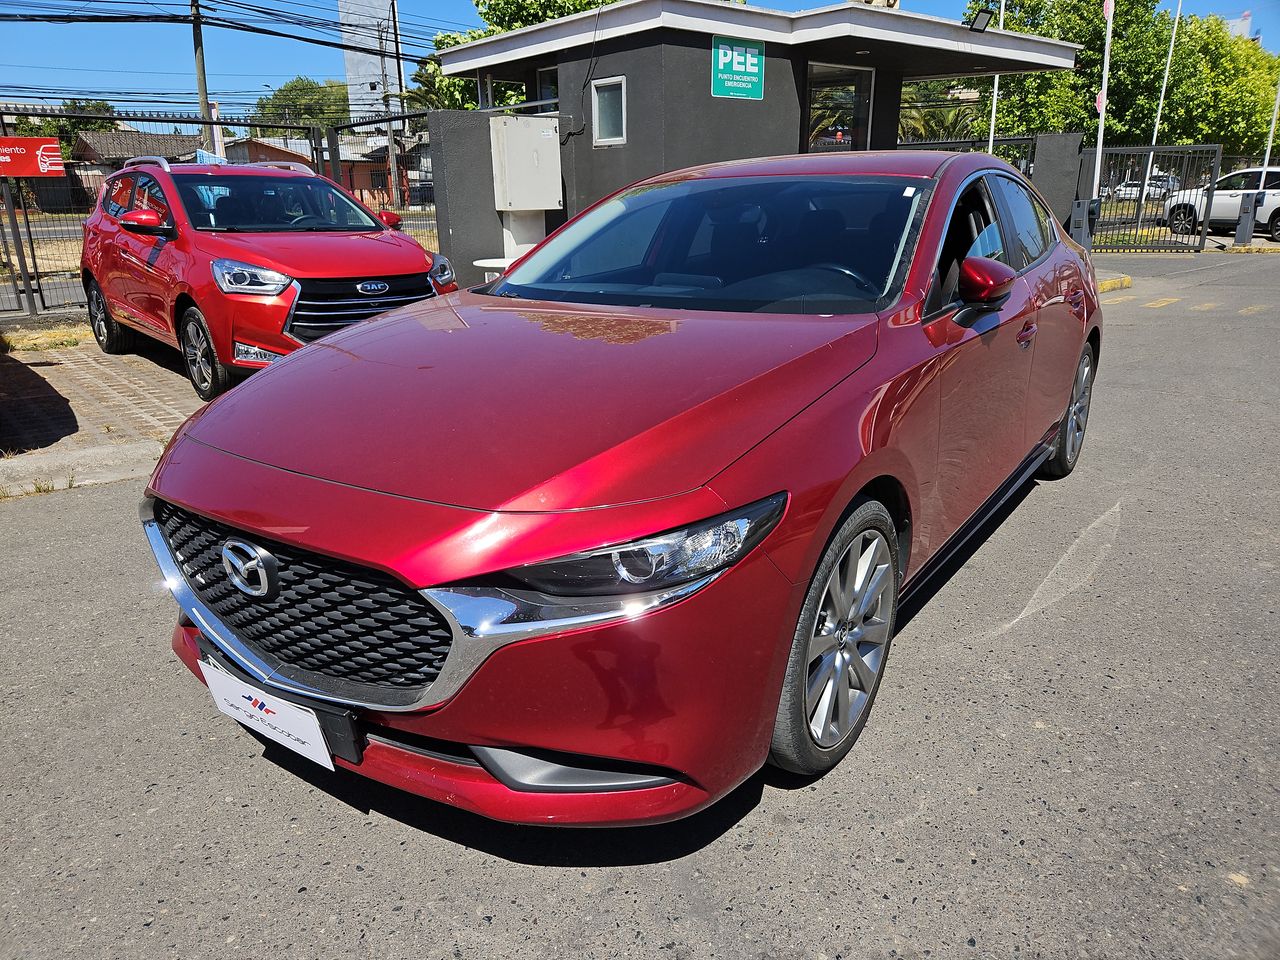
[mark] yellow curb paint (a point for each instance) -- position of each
(1163, 302)
(1119, 299)
(1115, 283)
(1250, 250)
(1250, 311)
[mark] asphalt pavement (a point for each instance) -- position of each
(1074, 753)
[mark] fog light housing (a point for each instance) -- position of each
(248, 354)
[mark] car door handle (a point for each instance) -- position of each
(1026, 334)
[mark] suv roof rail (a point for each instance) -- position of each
(160, 162)
(284, 165)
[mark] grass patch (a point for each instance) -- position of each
(52, 338)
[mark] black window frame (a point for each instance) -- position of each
(978, 181)
(137, 188)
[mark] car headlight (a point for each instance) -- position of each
(232, 276)
(610, 583)
(441, 270)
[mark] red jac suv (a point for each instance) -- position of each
(591, 543)
(238, 265)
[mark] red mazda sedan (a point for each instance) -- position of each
(237, 265)
(591, 543)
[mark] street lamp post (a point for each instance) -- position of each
(1155, 131)
(1108, 12)
(995, 95)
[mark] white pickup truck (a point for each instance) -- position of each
(1184, 211)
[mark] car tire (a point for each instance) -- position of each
(1183, 220)
(1273, 227)
(1071, 430)
(840, 645)
(207, 374)
(112, 337)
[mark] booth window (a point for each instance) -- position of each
(548, 83)
(839, 107)
(609, 111)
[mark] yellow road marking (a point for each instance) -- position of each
(1249, 311)
(1206, 306)
(1163, 302)
(1118, 299)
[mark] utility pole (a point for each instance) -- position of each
(1266, 159)
(1155, 131)
(995, 95)
(202, 88)
(393, 164)
(1108, 12)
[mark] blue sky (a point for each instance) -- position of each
(158, 57)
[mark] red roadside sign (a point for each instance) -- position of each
(30, 157)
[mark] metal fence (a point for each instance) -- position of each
(1153, 198)
(1017, 151)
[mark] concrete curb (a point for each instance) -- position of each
(1122, 282)
(43, 471)
(1246, 250)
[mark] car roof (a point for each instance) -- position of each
(220, 169)
(901, 163)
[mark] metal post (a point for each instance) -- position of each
(1108, 11)
(995, 95)
(392, 160)
(7, 195)
(335, 157)
(1155, 131)
(202, 89)
(1266, 159)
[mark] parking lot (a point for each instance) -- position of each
(1073, 754)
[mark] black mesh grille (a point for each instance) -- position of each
(327, 305)
(331, 617)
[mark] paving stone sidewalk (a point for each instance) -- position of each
(76, 415)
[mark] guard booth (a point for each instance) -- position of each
(645, 86)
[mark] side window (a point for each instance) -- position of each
(1236, 181)
(973, 231)
(115, 199)
(1273, 180)
(1028, 232)
(1047, 224)
(149, 196)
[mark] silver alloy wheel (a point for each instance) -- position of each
(1182, 221)
(1078, 412)
(199, 355)
(98, 315)
(849, 639)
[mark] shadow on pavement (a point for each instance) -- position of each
(161, 354)
(539, 846)
(33, 415)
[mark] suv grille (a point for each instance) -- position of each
(324, 306)
(336, 619)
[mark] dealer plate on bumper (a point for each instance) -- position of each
(286, 723)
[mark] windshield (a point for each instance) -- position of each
(813, 245)
(250, 204)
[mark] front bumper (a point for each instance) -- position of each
(684, 696)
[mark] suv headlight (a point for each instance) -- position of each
(232, 276)
(609, 583)
(441, 270)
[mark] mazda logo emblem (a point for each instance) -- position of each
(372, 288)
(250, 569)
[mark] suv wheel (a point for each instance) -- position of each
(840, 645)
(1273, 227)
(1182, 220)
(111, 336)
(1071, 429)
(207, 374)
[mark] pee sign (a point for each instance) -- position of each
(737, 68)
(30, 157)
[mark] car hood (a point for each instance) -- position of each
(500, 404)
(387, 253)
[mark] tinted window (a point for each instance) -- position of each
(264, 204)
(1238, 181)
(1027, 230)
(115, 199)
(149, 196)
(1273, 180)
(768, 244)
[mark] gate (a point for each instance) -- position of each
(1146, 194)
(41, 229)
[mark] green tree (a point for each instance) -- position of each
(432, 90)
(302, 101)
(66, 128)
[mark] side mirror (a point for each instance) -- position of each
(392, 220)
(985, 283)
(145, 222)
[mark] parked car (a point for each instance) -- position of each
(238, 265)
(592, 542)
(1185, 211)
(1132, 190)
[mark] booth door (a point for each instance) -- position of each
(839, 107)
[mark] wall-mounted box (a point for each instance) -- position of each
(526, 163)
